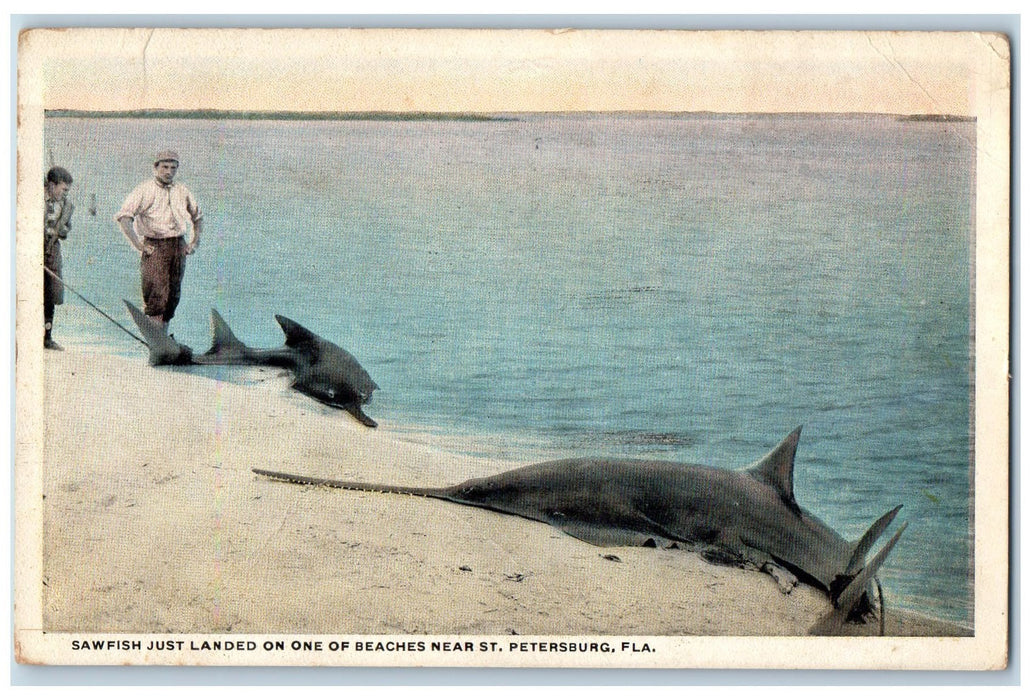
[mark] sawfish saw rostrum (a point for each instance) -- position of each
(322, 370)
(747, 517)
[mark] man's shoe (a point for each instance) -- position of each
(51, 344)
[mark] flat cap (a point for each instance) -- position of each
(166, 155)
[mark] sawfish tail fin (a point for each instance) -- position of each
(223, 341)
(852, 596)
(164, 349)
(866, 542)
(354, 485)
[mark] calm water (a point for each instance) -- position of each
(690, 288)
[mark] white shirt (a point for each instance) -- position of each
(160, 211)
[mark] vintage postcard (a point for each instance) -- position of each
(499, 348)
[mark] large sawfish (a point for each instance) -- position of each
(747, 517)
(322, 370)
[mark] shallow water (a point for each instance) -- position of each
(686, 287)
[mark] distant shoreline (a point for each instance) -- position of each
(278, 116)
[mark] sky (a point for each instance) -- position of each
(441, 70)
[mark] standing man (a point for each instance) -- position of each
(57, 221)
(156, 217)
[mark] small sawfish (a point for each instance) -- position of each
(324, 371)
(746, 517)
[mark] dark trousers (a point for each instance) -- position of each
(161, 273)
(53, 290)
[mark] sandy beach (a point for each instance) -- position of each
(153, 522)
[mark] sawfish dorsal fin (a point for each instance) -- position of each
(295, 333)
(222, 338)
(777, 469)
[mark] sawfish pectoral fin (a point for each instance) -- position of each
(603, 535)
(600, 536)
(361, 417)
(832, 622)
